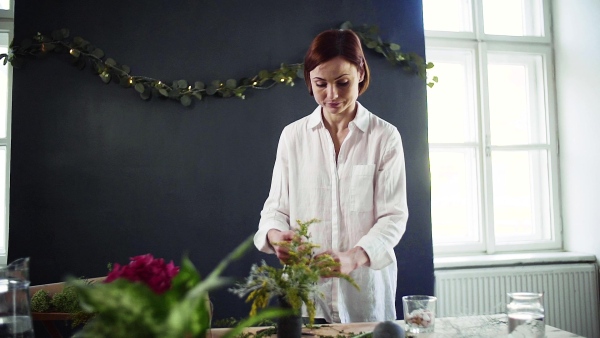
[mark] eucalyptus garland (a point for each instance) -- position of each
(84, 54)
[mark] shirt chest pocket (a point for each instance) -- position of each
(361, 186)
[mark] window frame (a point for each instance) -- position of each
(8, 13)
(481, 45)
(7, 26)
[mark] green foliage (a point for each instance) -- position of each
(128, 309)
(411, 62)
(84, 54)
(296, 281)
(66, 300)
(40, 301)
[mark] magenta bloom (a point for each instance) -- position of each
(145, 268)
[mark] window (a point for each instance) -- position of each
(6, 33)
(492, 129)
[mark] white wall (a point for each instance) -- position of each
(577, 43)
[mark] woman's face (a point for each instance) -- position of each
(335, 86)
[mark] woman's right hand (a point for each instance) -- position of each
(277, 236)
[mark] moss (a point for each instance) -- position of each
(40, 301)
(66, 301)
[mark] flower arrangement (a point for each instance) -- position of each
(150, 298)
(296, 281)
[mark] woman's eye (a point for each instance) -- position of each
(343, 84)
(321, 85)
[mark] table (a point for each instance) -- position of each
(48, 319)
(448, 327)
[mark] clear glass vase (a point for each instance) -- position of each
(15, 311)
(525, 312)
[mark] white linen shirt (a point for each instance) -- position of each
(360, 201)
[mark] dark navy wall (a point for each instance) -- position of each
(99, 175)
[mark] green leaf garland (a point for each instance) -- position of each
(84, 54)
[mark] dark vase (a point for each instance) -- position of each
(289, 326)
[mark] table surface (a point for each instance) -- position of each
(448, 327)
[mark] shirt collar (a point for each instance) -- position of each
(361, 120)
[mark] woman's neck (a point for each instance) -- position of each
(336, 123)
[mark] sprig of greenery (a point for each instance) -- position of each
(296, 281)
(84, 54)
(411, 62)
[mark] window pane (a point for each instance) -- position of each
(517, 111)
(521, 195)
(447, 15)
(454, 202)
(4, 4)
(3, 84)
(451, 102)
(2, 199)
(513, 17)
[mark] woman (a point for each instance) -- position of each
(345, 166)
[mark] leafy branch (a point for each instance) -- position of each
(410, 62)
(84, 54)
(296, 281)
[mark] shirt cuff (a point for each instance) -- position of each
(260, 237)
(379, 256)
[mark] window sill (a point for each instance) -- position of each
(513, 259)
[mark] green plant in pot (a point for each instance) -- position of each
(295, 283)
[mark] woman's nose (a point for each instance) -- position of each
(332, 92)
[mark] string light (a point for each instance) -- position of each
(286, 73)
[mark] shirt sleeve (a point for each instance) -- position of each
(390, 206)
(276, 210)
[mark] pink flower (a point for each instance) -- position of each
(145, 268)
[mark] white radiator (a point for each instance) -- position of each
(570, 293)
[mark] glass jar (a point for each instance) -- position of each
(15, 312)
(525, 312)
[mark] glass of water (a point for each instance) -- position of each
(525, 312)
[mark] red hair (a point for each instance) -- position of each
(331, 44)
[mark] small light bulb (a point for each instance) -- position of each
(130, 80)
(189, 87)
(255, 83)
(282, 80)
(159, 83)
